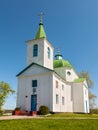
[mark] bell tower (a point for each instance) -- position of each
(40, 50)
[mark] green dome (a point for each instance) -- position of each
(61, 63)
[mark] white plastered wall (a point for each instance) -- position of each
(44, 88)
(48, 62)
(66, 93)
(72, 77)
(80, 95)
(39, 58)
(42, 57)
(86, 97)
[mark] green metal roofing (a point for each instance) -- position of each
(61, 72)
(61, 63)
(79, 80)
(41, 32)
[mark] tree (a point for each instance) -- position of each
(92, 98)
(86, 75)
(5, 90)
(90, 83)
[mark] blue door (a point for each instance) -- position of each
(86, 106)
(33, 102)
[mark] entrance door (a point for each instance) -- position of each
(86, 107)
(33, 102)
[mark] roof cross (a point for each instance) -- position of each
(58, 49)
(41, 16)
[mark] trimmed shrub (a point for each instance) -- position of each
(17, 108)
(43, 110)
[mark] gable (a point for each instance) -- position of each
(63, 73)
(33, 69)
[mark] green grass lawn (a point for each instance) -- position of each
(72, 115)
(53, 122)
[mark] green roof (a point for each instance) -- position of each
(61, 63)
(61, 72)
(41, 32)
(79, 80)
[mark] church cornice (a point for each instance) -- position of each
(31, 66)
(39, 40)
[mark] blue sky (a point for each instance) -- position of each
(71, 25)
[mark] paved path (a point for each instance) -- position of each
(17, 117)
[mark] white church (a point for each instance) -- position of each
(50, 82)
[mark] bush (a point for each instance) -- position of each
(17, 108)
(43, 110)
(1, 112)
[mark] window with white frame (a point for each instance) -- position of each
(35, 50)
(57, 99)
(63, 100)
(85, 91)
(62, 87)
(48, 51)
(57, 84)
(68, 73)
(34, 83)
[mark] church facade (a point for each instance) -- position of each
(49, 82)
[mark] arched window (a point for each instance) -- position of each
(69, 73)
(35, 50)
(48, 53)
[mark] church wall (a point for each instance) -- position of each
(69, 103)
(74, 96)
(39, 59)
(44, 91)
(34, 70)
(42, 57)
(48, 62)
(66, 93)
(78, 98)
(23, 91)
(72, 75)
(86, 98)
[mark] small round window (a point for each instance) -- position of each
(68, 73)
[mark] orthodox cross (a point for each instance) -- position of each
(41, 16)
(58, 49)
